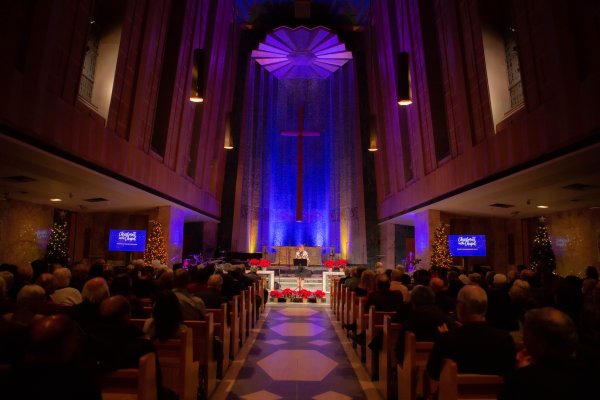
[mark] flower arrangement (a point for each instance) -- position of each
(254, 262)
(290, 295)
(329, 264)
(264, 263)
(341, 263)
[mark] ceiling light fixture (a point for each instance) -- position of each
(542, 206)
(55, 200)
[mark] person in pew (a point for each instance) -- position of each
(121, 284)
(424, 318)
(144, 285)
(212, 295)
(442, 298)
(548, 368)
(367, 283)
(166, 321)
(232, 283)
(51, 368)
(382, 297)
(113, 341)
(88, 311)
(476, 347)
(65, 295)
(31, 301)
(192, 307)
(397, 286)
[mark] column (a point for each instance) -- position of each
(425, 224)
(172, 219)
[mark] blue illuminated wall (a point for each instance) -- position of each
(281, 165)
(333, 204)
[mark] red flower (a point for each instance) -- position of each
(275, 293)
(341, 263)
(254, 261)
(319, 294)
(264, 263)
(305, 294)
(329, 264)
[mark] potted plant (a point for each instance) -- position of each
(341, 263)
(264, 263)
(319, 294)
(275, 295)
(288, 294)
(329, 264)
(254, 262)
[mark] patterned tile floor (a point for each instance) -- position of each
(295, 354)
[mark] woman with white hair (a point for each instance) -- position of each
(30, 302)
(65, 295)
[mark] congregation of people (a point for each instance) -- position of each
(539, 331)
(63, 328)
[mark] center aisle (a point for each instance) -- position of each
(296, 354)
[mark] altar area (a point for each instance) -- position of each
(284, 255)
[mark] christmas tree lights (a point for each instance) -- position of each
(440, 252)
(542, 255)
(58, 250)
(155, 248)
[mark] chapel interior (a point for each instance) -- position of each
(359, 128)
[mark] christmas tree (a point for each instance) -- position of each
(155, 247)
(440, 252)
(57, 250)
(542, 255)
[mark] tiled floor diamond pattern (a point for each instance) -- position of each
(299, 358)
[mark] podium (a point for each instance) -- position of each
(300, 264)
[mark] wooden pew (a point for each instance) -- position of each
(146, 302)
(387, 359)
(243, 318)
(333, 292)
(345, 300)
(234, 320)
(362, 323)
(411, 373)
(176, 359)
(374, 328)
(454, 386)
(222, 330)
(203, 333)
(250, 303)
(131, 383)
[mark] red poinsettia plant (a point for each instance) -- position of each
(254, 262)
(275, 294)
(341, 263)
(264, 263)
(329, 264)
(288, 293)
(319, 294)
(305, 294)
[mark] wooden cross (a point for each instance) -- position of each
(299, 175)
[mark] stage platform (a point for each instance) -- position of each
(283, 277)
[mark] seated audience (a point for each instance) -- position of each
(65, 295)
(79, 275)
(382, 297)
(396, 284)
(476, 346)
(548, 369)
(442, 298)
(144, 286)
(51, 368)
(31, 301)
(6, 305)
(500, 314)
(192, 307)
(112, 340)
(212, 296)
(121, 284)
(166, 321)
(367, 283)
(88, 311)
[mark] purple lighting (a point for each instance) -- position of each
(301, 53)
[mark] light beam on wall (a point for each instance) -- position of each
(197, 89)
(403, 78)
